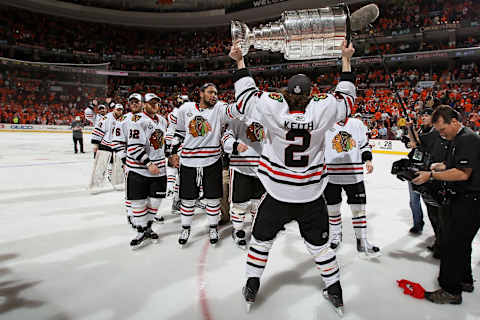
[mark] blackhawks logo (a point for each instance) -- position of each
(156, 139)
(343, 142)
(276, 96)
(136, 117)
(318, 97)
(255, 132)
(199, 127)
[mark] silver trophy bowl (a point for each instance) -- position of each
(299, 35)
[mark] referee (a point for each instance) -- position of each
(460, 216)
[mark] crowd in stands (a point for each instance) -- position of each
(44, 97)
(20, 27)
(26, 101)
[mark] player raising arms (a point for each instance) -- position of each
(292, 166)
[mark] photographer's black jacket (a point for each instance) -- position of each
(464, 152)
(433, 143)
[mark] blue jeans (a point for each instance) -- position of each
(416, 207)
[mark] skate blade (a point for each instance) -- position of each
(155, 241)
(181, 246)
(213, 244)
(141, 245)
(242, 247)
(338, 310)
(368, 256)
(249, 306)
(159, 221)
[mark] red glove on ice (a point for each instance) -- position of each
(412, 288)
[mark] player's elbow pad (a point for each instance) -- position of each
(366, 156)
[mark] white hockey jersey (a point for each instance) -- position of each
(104, 130)
(146, 143)
(172, 138)
(120, 136)
(202, 130)
(251, 134)
(90, 115)
(292, 165)
(345, 144)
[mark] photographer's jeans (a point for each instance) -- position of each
(416, 207)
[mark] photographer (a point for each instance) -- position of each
(433, 148)
(460, 214)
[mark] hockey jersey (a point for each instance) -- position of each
(292, 164)
(202, 131)
(103, 132)
(91, 116)
(249, 133)
(120, 136)
(146, 143)
(344, 145)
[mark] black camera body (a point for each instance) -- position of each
(406, 170)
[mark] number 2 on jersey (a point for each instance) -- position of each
(291, 149)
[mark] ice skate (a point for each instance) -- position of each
(151, 234)
(184, 235)
(170, 194)
(334, 294)
(213, 234)
(367, 250)
(250, 292)
(130, 222)
(141, 240)
(335, 240)
(176, 206)
(159, 219)
(239, 239)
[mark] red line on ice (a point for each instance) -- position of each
(202, 292)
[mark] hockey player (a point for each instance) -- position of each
(90, 114)
(102, 134)
(200, 158)
(171, 140)
(243, 141)
(346, 150)
(292, 167)
(146, 178)
(121, 136)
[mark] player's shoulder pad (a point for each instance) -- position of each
(319, 96)
(276, 96)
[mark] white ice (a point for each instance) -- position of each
(64, 254)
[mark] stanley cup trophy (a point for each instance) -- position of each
(305, 34)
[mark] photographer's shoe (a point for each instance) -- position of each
(443, 297)
(416, 230)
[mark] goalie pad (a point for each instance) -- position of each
(98, 180)
(118, 176)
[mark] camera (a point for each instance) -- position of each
(406, 170)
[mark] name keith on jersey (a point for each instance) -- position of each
(296, 125)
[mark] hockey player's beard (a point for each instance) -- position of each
(209, 103)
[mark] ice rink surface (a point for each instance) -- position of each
(64, 254)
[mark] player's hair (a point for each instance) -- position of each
(206, 85)
(445, 112)
(296, 101)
